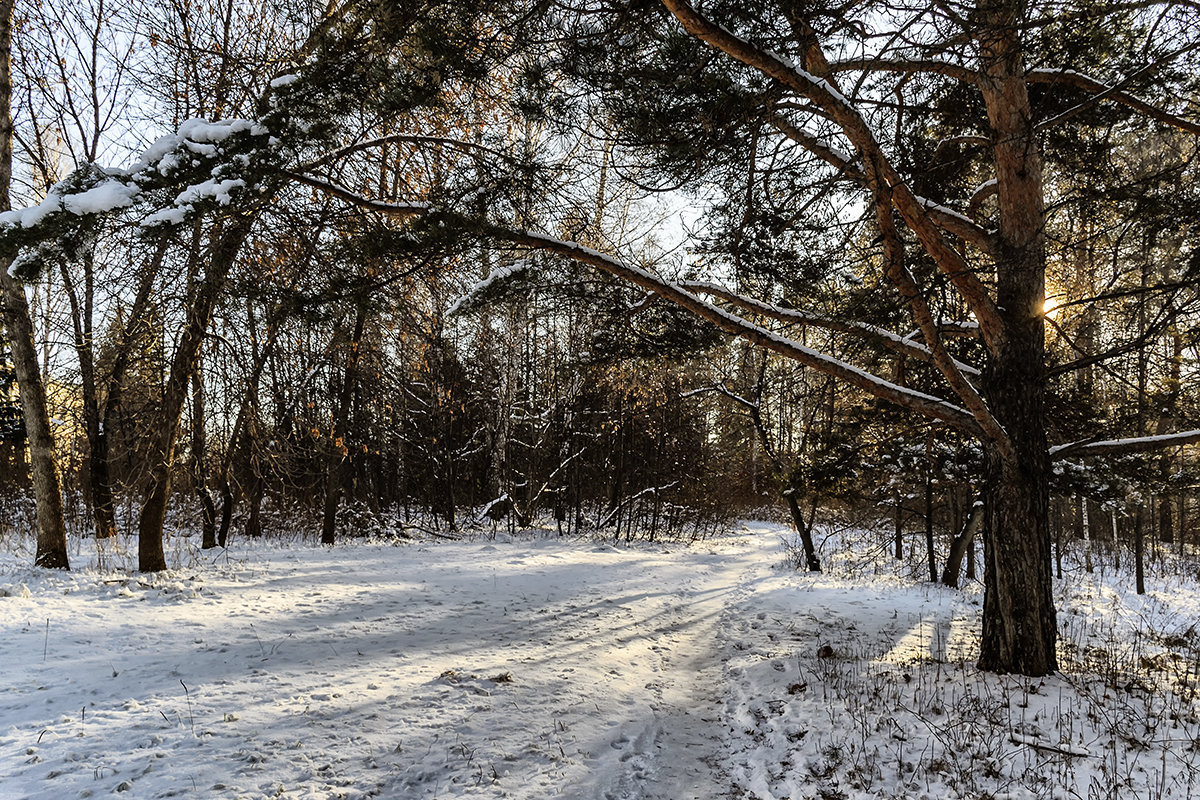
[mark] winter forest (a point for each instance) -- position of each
(616, 399)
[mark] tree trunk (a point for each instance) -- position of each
(1019, 632)
(1019, 628)
(47, 491)
(226, 511)
(963, 541)
(99, 488)
(154, 508)
(339, 453)
(101, 458)
(899, 525)
(930, 552)
(1139, 551)
(805, 531)
(208, 511)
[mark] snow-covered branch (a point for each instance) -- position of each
(927, 405)
(1104, 91)
(879, 174)
(1109, 447)
(862, 330)
(919, 402)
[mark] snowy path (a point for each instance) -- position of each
(547, 668)
(524, 670)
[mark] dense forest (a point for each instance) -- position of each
(632, 267)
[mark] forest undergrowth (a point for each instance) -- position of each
(896, 707)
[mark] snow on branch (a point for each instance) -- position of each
(202, 164)
(863, 330)
(1108, 447)
(487, 287)
(1104, 91)
(879, 174)
(919, 402)
(958, 224)
(925, 404)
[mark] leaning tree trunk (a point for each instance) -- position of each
(961, 544)
(154, 507)
(47, 492)
(811, 561)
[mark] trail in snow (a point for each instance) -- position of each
(547, 668)
(524, 670)
(676, 751)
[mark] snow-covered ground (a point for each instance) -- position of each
(569, 668)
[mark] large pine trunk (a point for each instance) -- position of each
(1019, 627)
(1019, 624)
(1019, 632)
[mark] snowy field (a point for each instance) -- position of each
(544, 668)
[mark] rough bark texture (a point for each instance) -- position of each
(1019, 629)
(51, 531)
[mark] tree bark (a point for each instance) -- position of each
(1019, 627)
(154, 507)
(338, 455)
(47, 491)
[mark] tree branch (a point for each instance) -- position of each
(342, 193)
(929, 66)
(399, 138)
(862, 330)
(945, 218)
(1141, 444)
(1105, 92)
(927, 405)
(924, 404)
(877, 170)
